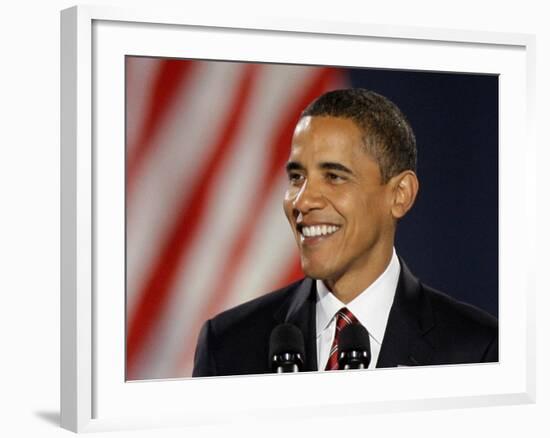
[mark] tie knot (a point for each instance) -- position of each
(344, 318)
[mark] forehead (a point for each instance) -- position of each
(325, 137)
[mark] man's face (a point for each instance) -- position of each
(336, 204)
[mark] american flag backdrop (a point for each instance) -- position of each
(206, 144)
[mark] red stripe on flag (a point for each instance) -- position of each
(172, 77)
(160, 280)
(279, 151)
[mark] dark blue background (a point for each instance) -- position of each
(450, 237)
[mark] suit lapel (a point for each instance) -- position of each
(409, 320)
(300, 311)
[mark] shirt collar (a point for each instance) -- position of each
(371, 307)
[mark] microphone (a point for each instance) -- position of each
(286, 349)
(354, 348)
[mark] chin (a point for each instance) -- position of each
(316, 271)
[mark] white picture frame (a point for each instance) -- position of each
(94, 395)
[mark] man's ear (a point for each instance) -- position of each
(405, 187)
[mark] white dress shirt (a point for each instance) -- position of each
(371, 308)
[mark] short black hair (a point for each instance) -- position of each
(387, 135)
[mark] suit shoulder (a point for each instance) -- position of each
(461, 333)
(451, 311)
(261, 308)
(236, 341)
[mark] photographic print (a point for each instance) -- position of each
(207, 144)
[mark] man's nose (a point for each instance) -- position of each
(310, 197)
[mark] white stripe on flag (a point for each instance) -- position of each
(166, 178)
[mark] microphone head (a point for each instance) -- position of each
(354, 337)
(286, 338)
(286, 348)
(354, 346)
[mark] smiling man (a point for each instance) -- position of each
(352, 177)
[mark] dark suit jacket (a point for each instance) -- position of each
(425, 327)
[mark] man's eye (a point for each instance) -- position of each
(333, 177)
(295, 177)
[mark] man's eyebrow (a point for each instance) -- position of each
(335, 166)
(293, 165)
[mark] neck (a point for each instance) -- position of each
(348, 286)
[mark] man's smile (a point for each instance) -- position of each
(313, 233)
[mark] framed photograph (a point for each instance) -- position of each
(175, 134)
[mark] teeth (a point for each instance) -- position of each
(318, 230)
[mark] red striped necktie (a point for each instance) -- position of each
(343, 318)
